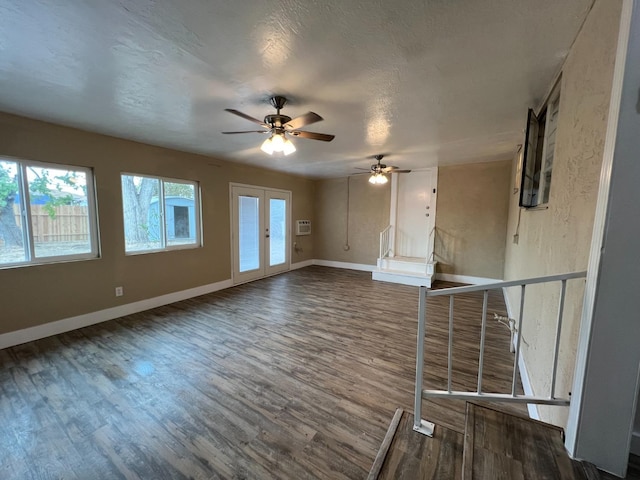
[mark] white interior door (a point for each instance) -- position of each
(260, 232)
(415, 217)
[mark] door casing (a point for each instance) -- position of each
(264, 194)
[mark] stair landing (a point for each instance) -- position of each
(499, 445)
(405, 270)
(496, 446)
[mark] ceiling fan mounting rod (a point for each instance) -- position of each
(278, 102)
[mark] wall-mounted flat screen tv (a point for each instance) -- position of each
(530, 190)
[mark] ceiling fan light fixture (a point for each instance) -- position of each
(277, 140)
(288, 147)
(278, 143)
(378, 179)
(267, 146)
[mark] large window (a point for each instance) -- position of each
(47, 213)
(160, 213)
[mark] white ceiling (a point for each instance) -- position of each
(431, 82)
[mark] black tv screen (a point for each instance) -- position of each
(532, 160)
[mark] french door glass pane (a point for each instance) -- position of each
(249, 234)
(59, 211)
(277, 231)
(12, 248)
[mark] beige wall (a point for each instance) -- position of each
(368, 216)
(557, 240)
(35, 295)
(471, 219)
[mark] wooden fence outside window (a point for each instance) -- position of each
(69, 224)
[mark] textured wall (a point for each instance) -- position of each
(471, 218)
(557, 240)
(368, 216)
(64, 290)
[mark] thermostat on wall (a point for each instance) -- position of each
(303, 227)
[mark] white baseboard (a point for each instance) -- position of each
(296, 266)
(507, 303)
(65, 325)
(347, 265)
(528, 389)
(450, 277)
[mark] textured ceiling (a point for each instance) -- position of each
(430, 82)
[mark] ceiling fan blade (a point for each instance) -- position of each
(246, 117)
(303, 120)
(392, 169)
(365, 169)
(313, 135)
(247, 131)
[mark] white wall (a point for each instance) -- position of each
(608, 369)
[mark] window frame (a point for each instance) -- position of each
(537, 169)
(26, 215)
(197, 203)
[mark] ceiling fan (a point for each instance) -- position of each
(379, 170)
(280, 126)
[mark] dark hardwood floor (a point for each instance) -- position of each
(500, 446)
(295, 376)
(412, 456)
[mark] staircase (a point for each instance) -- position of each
(495, 446)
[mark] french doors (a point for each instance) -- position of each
(260, 232)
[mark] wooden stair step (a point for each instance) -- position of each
(407, 455)
(503, 446)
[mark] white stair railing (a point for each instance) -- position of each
(431, 256)
(385, 241)
(426, 427)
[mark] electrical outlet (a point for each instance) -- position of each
(119, 291)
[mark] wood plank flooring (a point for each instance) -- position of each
(413, 456)
(293, 377)
(496, 446)
(500, 446)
